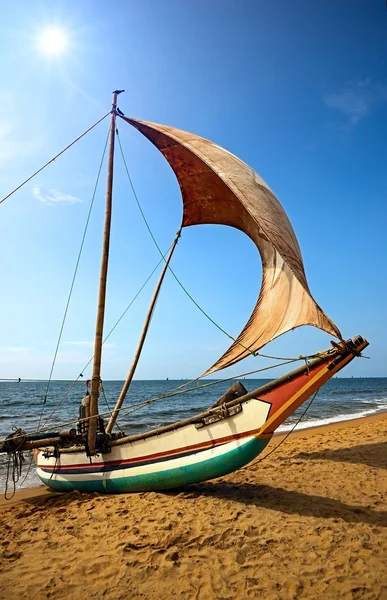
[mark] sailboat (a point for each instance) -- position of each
(216, 188)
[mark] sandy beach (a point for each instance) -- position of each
(309, 521)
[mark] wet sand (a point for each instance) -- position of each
(309, 521)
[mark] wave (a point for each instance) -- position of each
(328, 420)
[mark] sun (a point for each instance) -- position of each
(53, 41)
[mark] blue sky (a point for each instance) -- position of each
(296, 89)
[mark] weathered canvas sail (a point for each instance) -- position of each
(219, 188)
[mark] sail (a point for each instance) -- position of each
(219, 188)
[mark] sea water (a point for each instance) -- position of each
(21, 405)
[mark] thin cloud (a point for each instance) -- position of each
(54, 197)
(357, 99)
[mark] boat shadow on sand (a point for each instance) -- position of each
(262, 496)
(288, 501)
(268, 496)
(372, 455)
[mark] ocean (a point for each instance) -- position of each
(21, 406)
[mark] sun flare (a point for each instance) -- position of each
(53, 41)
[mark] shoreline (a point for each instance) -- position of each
(382, 414)
(41, 491)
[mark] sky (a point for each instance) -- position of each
(298, 90)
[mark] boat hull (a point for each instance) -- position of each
(173, 459)
(168, 477)
(214, 444)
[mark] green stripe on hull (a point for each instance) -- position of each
(170, 478)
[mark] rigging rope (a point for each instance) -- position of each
(105, 339)
(55, 157)
(74, 277)
(175, 276)
(102, 390)
(121, 317)
(177, 392)
(71, 286)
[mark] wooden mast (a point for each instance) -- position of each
(96, 376)
(133, 367)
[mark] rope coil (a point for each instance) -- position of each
(14, 442)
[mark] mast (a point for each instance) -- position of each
(136, 358)
(96, 376)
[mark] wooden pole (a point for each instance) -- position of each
(96, 375)
(136, 358)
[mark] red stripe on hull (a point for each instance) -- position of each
(209, 444)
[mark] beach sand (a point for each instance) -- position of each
(310, 521)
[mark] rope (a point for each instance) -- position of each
(53, 159)
(179, 391)
(171, 270)
(16, 458)
(17, 464)
(305, 357)
(28, 470)
(73, 279)
(102, 390)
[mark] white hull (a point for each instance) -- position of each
(175, 456)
